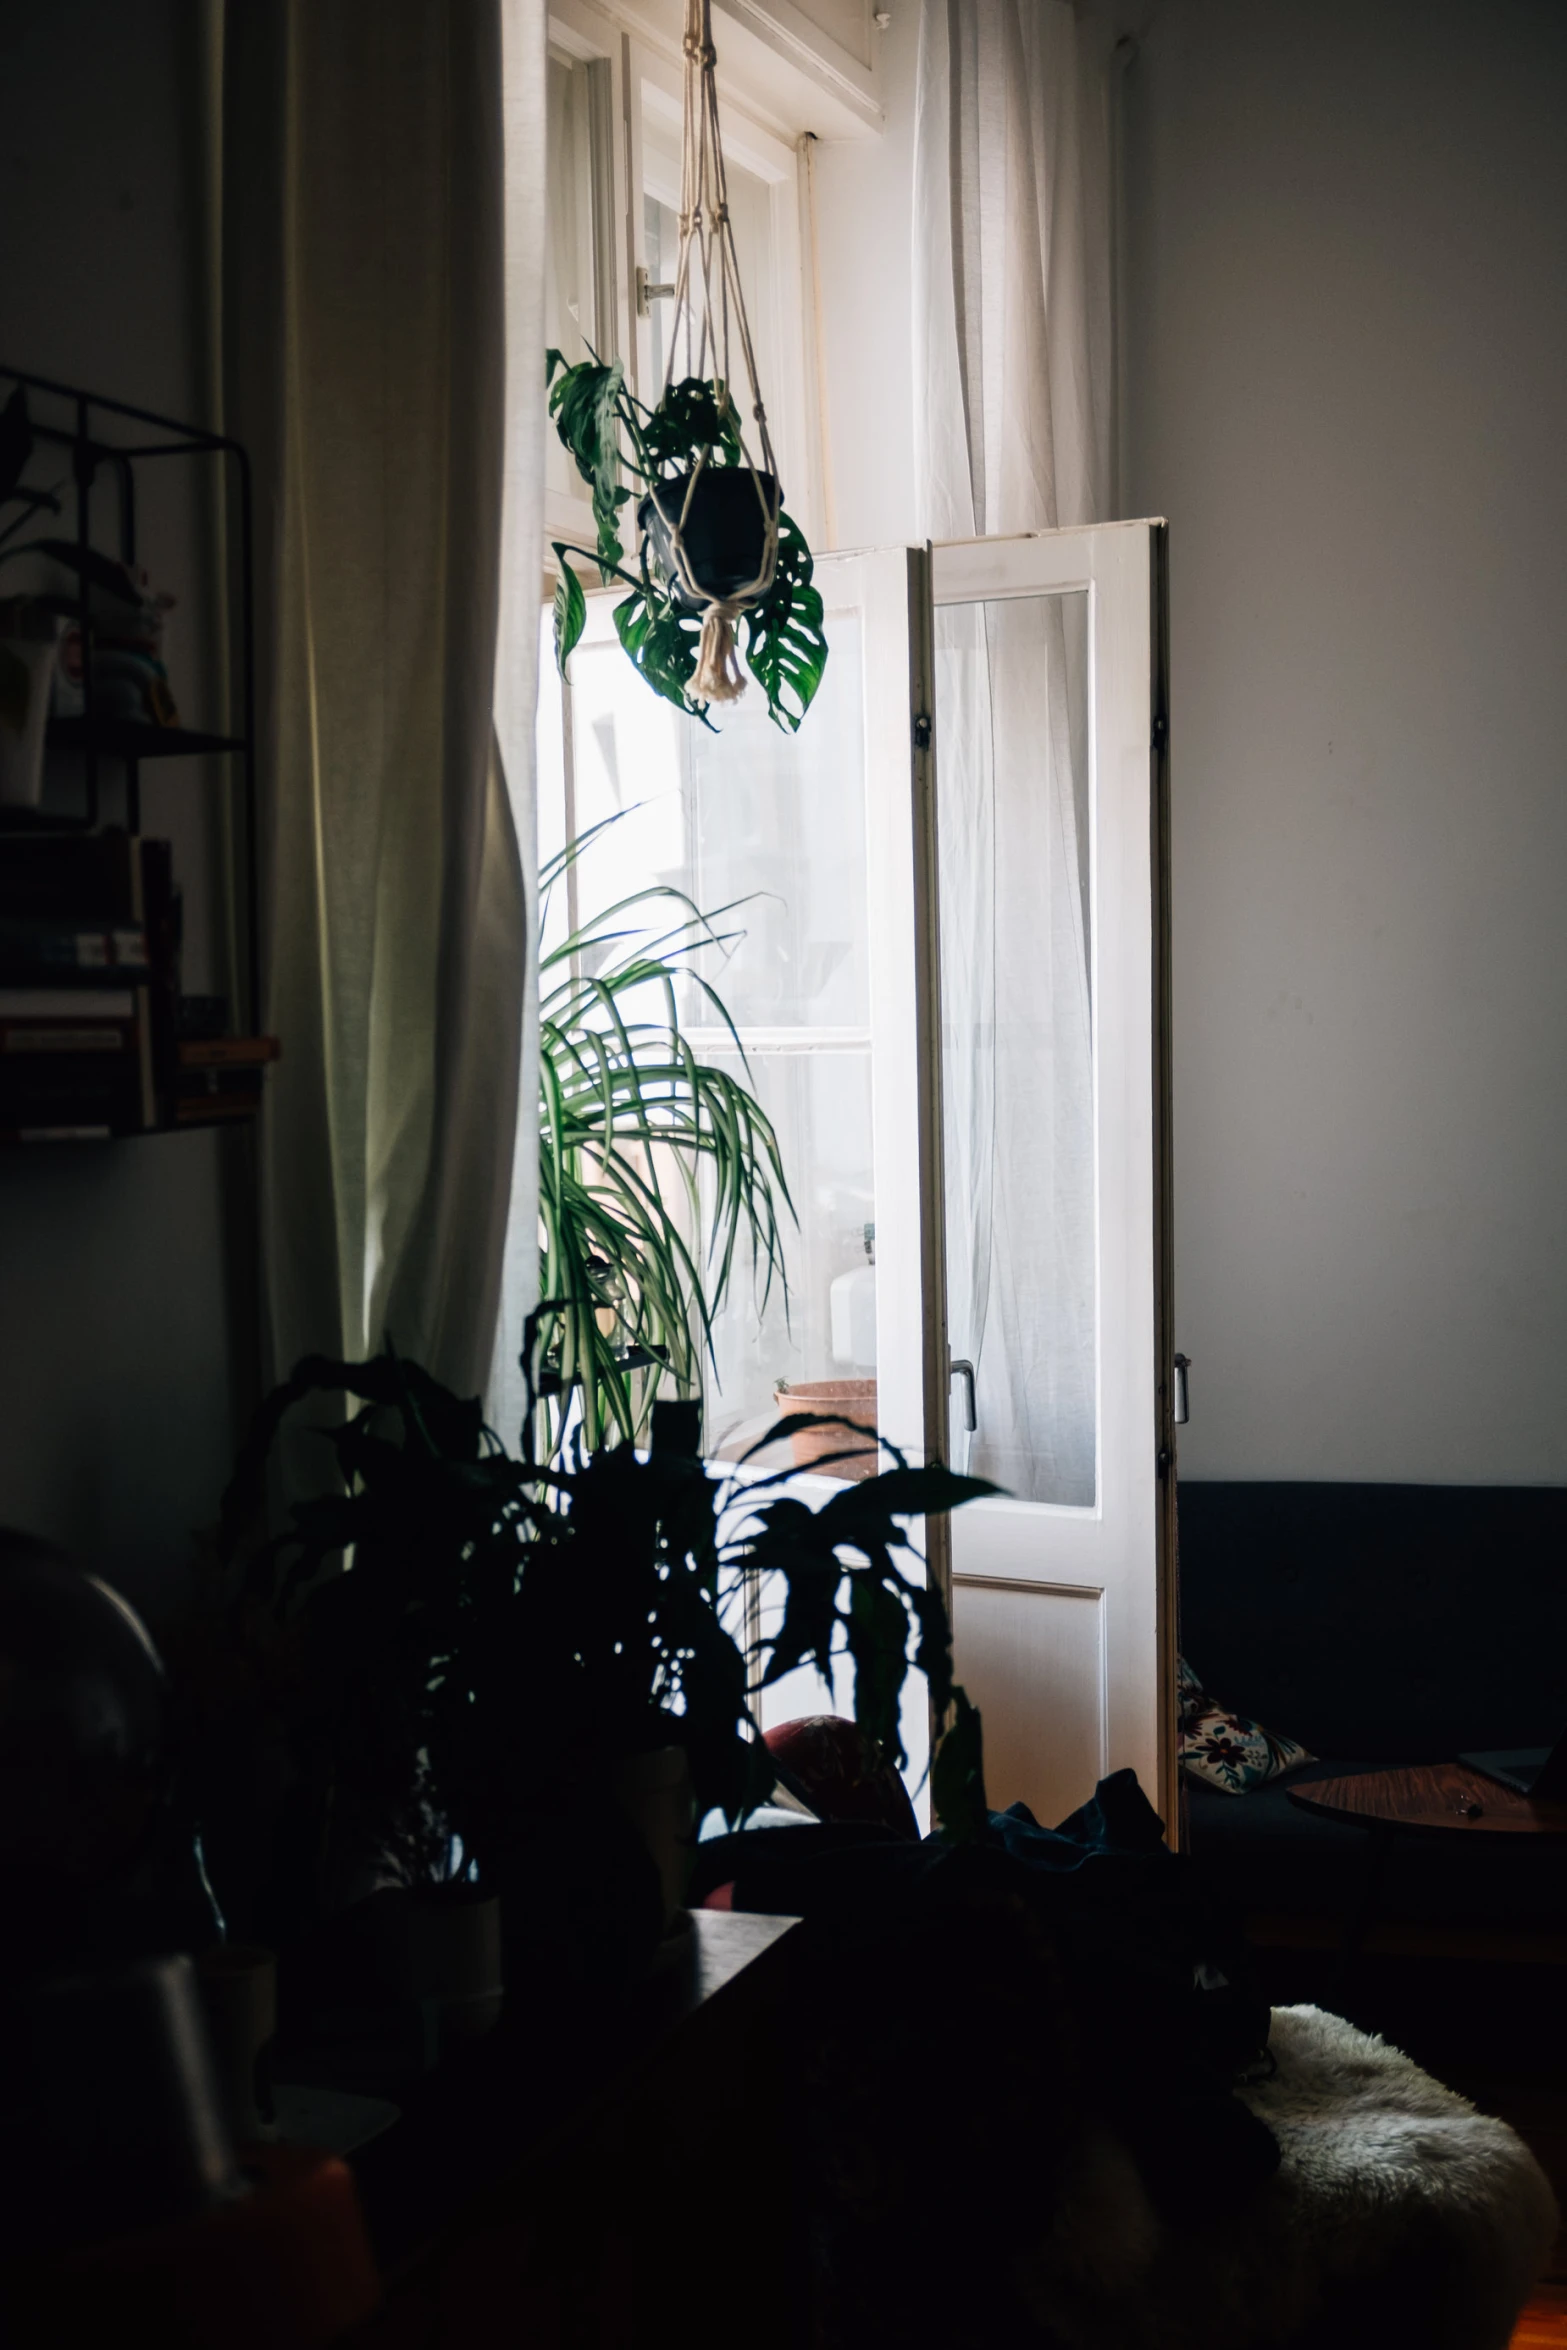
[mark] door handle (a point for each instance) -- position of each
(959, 1367)
(1182, 1413)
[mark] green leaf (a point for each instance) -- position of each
(571, 610)
(588, 403)
(693, 415)
(957, 1779)
(785, 646)
(662, 645)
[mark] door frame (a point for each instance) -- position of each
(1136, 1235)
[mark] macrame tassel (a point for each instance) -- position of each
(719, 677)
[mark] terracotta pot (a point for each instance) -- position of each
(850, 1399)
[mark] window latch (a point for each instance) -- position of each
(648, 294)
(922, 731)
(1182, 1401)
(961, 1368)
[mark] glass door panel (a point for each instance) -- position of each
(1011, 681)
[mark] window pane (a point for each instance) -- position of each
(1017, 1040)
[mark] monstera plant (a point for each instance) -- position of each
(717, 563)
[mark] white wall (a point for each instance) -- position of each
(864, 194)
(1346, 352)
(116, 1342)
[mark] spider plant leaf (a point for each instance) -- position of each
(571, 611)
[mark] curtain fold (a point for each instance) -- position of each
(1012, 433)
(365, 369)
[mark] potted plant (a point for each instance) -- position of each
(637, 1267)
(485, 1643)
(716, 549)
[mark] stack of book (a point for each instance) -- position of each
(90, 1028)
(220, 1077)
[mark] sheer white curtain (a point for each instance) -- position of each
(1012, 433)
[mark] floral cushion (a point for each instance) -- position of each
(1229, 1751)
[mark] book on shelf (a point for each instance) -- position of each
(78, 877)
(227, 1052)
(96, 1037)
(70, 953)
(89, 983)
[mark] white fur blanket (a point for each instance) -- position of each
(1399, 2216)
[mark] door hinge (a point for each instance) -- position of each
(648, 294)
(922, 730)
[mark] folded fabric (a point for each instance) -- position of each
(1227, 1750)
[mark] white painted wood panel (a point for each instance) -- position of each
(1033, 1660)
(1042, 1742)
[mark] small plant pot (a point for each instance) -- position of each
(654, 1791)
(451, 1959)
(724, 534)
(29, 639)
(848, 1399)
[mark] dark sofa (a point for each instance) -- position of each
(1377, 1624)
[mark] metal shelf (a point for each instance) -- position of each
(133, 738)
(111, 438)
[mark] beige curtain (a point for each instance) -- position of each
(364, 351)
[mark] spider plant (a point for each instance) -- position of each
(630, 1124)
(611, 433)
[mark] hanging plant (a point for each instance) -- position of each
(716, 553)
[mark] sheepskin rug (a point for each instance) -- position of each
(1399, 2216)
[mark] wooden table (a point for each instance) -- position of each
(1441, 1798)
(593, 2172)
(1421, 1799)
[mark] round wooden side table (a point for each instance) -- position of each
(1422, 1799)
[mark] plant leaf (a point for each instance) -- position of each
(785, 647)
(957, 1778)
(662, 645)
(588, 403)
(692, 416)
(571, 610)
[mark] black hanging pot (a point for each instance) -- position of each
(723, 535)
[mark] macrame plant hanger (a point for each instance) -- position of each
(710, 306)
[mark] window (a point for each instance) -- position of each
(713, 822)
